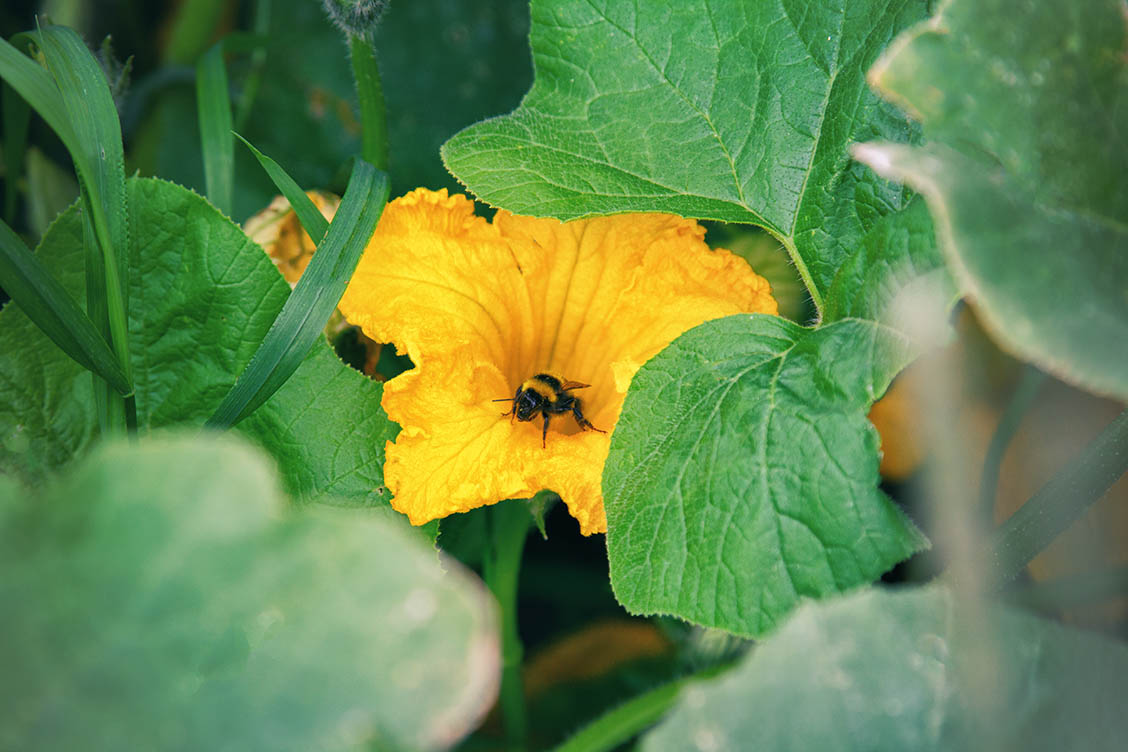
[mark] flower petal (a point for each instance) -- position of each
(481, 307)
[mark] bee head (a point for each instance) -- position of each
(527, 404)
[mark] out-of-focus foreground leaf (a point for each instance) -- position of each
(162, 598)
(742, 475)
(203, 297)
(910, 670)
(733, 111)
(1026, 112)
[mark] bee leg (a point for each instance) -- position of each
(544, 432)
(583, 422)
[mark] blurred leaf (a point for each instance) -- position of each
(1027, 124)
(168, 602)
(214, 110)
(742, 475)
(915, 669)
(305, 108)
(16, 118)
(50, 190)
(302, 319)
(205, 296)
(733, 111)
(193, 27)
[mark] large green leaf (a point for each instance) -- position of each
(1027, 121)
(910, 670)
(729, 110)
(743, 476)
(203, 296)
(162, 598)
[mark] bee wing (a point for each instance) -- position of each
(569, 385)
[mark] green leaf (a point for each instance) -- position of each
(205, 297)
(169, 601)
(214, 110)
(1024, 172)
(302, 319)
(46, 303)
(915, 669)
(733, 111)
(742, 474)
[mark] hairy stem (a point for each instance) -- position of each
(370, 94)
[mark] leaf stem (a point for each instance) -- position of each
(804, 273)
(370, 94)
(509, 526)
(1057, 505)
(1023, 397)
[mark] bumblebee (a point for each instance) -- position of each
(548, 395)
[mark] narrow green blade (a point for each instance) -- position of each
(214, 110)
(305, 312)
(96, 148)
(312, 220)
(38, 89)
(47, 304)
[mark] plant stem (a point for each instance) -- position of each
(1057, 505)
(1023, 397)
(370, 94)
(632, 717)
(509, 526)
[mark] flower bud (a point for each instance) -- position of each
(358, 18)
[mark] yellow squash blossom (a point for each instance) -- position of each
(482, 306)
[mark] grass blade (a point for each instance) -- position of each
(302, 319)
(313, 222)
(96, 149)
(38, 89)
(107, 405)
(53, 310)
(214, 111)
